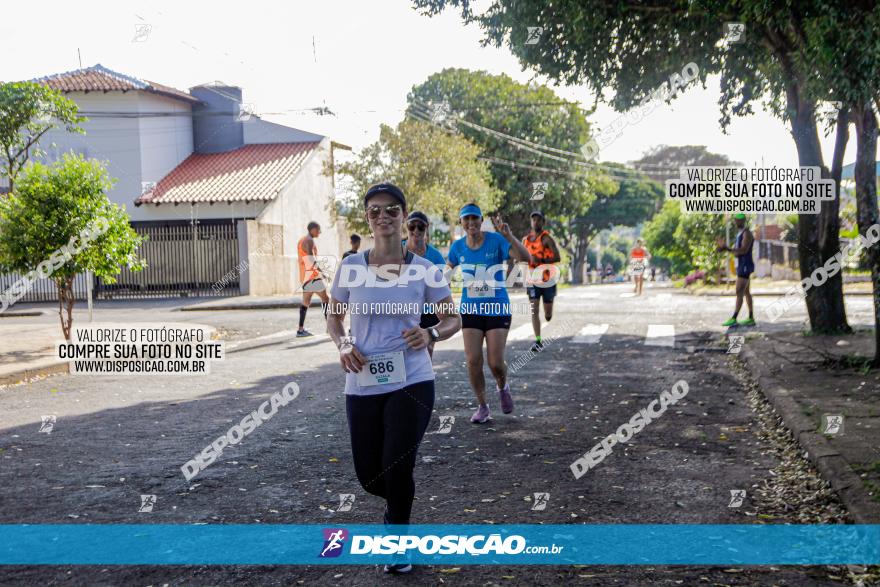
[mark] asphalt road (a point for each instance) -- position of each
(119, 437)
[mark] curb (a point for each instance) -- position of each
(250, 306)
(24, 374)
(828, 461)
(764, 294)
(22, 313)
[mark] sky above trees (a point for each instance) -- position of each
(364, 59)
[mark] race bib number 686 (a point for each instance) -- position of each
(383, 368)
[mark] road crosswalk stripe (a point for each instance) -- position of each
(660, 335)
(522, 332)
(590, 334)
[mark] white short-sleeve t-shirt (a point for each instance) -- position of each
(380, 310)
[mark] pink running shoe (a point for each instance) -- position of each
(481, 415)
(506, 399)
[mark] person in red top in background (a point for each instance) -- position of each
(310, 275)
(543, 251)
(638, 260)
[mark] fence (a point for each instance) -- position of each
(779, 252)
(43, 290)
(183, 260)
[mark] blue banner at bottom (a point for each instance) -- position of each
(264, 544)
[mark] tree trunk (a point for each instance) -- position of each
(580, 254)
(818, 234)
(866, 201)
(64, 285)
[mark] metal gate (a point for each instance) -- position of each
(183, 260)
(779, 252)
(42, 290)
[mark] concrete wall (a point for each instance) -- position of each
(258, 131)
(165, 141)
(136, 148)
(267, 271)
(345, 235)
(307, 198)
(216, 127)
(113, 139)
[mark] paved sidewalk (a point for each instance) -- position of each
(27, 350)
(809, 380)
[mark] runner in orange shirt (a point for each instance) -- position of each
(638, 261)
(310, 275)
(543, 251)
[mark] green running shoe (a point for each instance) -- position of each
(747, 322)
(730, 322)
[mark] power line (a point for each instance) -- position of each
(605, 169)
(521, 143)
(518, 164)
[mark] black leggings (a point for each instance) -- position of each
(386, 430)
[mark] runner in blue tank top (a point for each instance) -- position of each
(485, 305)
(745, 266)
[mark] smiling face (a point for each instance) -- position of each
(471, 225)
(386, 223)
(417, 232)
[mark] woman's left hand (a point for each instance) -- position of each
(501, 226)
(417, 338)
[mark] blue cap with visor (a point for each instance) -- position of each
(470, 210)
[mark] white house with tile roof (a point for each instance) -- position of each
(198, 157)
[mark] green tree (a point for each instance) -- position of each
(660, 237)
(620, 243)
(528, 134)
(663, 161)
(610, 256)
(439, 172)
(699, 233)
(634, 47)
(628, 200)
(28, 111)
(59, 222)
(692, 243)
(843, 40)
(577, 228)
(682, 242)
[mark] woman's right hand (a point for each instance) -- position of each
(351, 359)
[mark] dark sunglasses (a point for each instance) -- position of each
(417, 227)
(393, 210)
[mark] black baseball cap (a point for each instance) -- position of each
(386, 188)
(536, 213)
(420, 216)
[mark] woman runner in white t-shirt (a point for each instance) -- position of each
(390, 379)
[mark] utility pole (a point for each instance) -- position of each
(89, 284)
